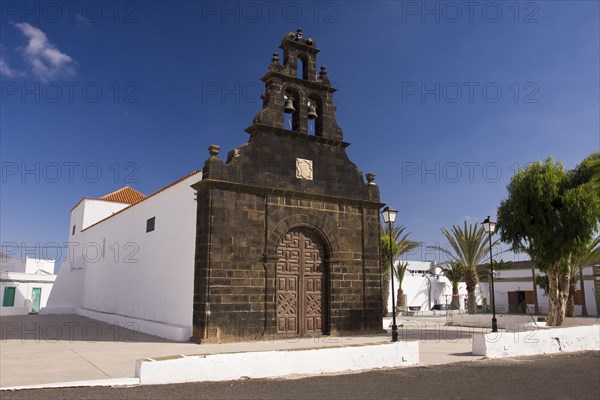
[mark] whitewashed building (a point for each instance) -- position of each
(25, 284)
(125, 242)
(424, 286)
(513, 290)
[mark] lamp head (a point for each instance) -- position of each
(389, 214)
(489, 225)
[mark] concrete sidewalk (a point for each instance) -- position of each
(46, 349)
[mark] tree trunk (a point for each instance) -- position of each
(471, 280)
(401, 305)
(570, 308)
(584, 312)
(385, 293)
(455, 298)
(558, 292)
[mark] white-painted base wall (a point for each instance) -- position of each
(167, 331)
(272, 364)
(6, 311)
(536, 341)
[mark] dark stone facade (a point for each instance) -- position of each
(287, 236)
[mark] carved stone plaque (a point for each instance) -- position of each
(304, 169)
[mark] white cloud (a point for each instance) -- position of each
(43, 57)
(5, 69)
(82, 20)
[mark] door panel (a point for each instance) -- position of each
(9, 297)
(300, 282)
(36, 296)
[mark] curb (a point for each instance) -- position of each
(73, 384)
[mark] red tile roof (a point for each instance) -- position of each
(126, 194)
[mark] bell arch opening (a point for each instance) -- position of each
(315, 121)
(291, 118)
(302, 66)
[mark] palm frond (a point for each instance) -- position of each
(467, 244)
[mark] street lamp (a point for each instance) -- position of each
(490, 226)
(389, 217)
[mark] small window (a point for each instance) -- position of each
(150, 224)
(73, 231)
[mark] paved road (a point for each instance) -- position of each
(563, 376)
(42, 349)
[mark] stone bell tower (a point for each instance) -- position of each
(287, 240)
(302, 87)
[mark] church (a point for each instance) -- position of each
(278, 239)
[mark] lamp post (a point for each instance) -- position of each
(490, 226)
(389, 217)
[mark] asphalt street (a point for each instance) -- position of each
(562, 376)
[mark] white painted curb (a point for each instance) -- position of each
(272, 364)
(536, 341)
(96, 382)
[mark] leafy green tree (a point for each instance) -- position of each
(542, 282)
(469, 245)
(399, 245)
(551, 213)
(455, 271)
(588, 172)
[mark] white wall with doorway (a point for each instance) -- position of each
(22, 293)
(520, 280)
(425, 286)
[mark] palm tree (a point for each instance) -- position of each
(469, 246)
(590, 254)
(399, 272)
(400, 245)
(455, 272)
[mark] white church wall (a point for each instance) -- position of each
(142, 277)
(90, 211)
(97, 210)
(67, 293)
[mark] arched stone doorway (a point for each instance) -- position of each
(301, 283)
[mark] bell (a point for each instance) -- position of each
(288, 106)
(312, 112)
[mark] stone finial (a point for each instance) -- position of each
(213, 150)
(370, 178)
(275, 59)
(323, 75)
(323, 72)
(275, 65)
(299, 34)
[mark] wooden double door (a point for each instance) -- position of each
(301, 283)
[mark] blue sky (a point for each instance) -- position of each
(442, 100)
